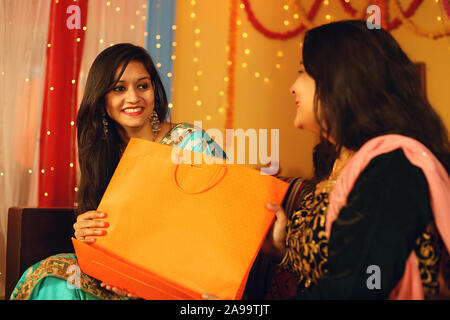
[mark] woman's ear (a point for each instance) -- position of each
(105, 113)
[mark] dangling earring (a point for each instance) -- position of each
(105, 126)
(154, 121)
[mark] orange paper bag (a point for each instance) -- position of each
(177, 231)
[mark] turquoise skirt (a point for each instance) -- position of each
(59, 278)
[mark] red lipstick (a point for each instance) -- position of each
(133, 113)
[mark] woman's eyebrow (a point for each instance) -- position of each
(137, 79)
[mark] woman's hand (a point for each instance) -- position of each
(118, 291)
(87, 226)
(275, 242)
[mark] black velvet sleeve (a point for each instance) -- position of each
(386, 211)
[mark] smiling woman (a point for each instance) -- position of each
(131, 103)
(124, 98)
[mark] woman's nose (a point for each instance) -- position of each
(132, 95)
(292, 90)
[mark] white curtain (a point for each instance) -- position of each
(23, 39)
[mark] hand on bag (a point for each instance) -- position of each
(274, 244)
(267, 168)
(86, 226)
(118, 291)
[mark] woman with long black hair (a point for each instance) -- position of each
(378, 225)
(124, 98)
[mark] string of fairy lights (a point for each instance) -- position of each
(247, 52)
(441, 19)
(291, 17)
(198, 72)
(441, 14)
(196, 43)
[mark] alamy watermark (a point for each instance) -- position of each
(74, 279)
(236, 152)
(374, 18)
(74, 20)
(374, 280)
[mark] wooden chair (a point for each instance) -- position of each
(33, 235)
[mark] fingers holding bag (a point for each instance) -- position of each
(88, 225)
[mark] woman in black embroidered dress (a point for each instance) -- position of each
(356, 85)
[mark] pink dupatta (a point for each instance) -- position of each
(410, 286)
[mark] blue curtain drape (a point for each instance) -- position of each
(160, 38)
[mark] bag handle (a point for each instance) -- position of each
(222, 168)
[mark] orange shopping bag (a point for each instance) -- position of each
(177, 231)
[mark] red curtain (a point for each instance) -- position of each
(57, 179)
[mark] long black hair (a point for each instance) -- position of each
(366, 86)
(99, 153)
